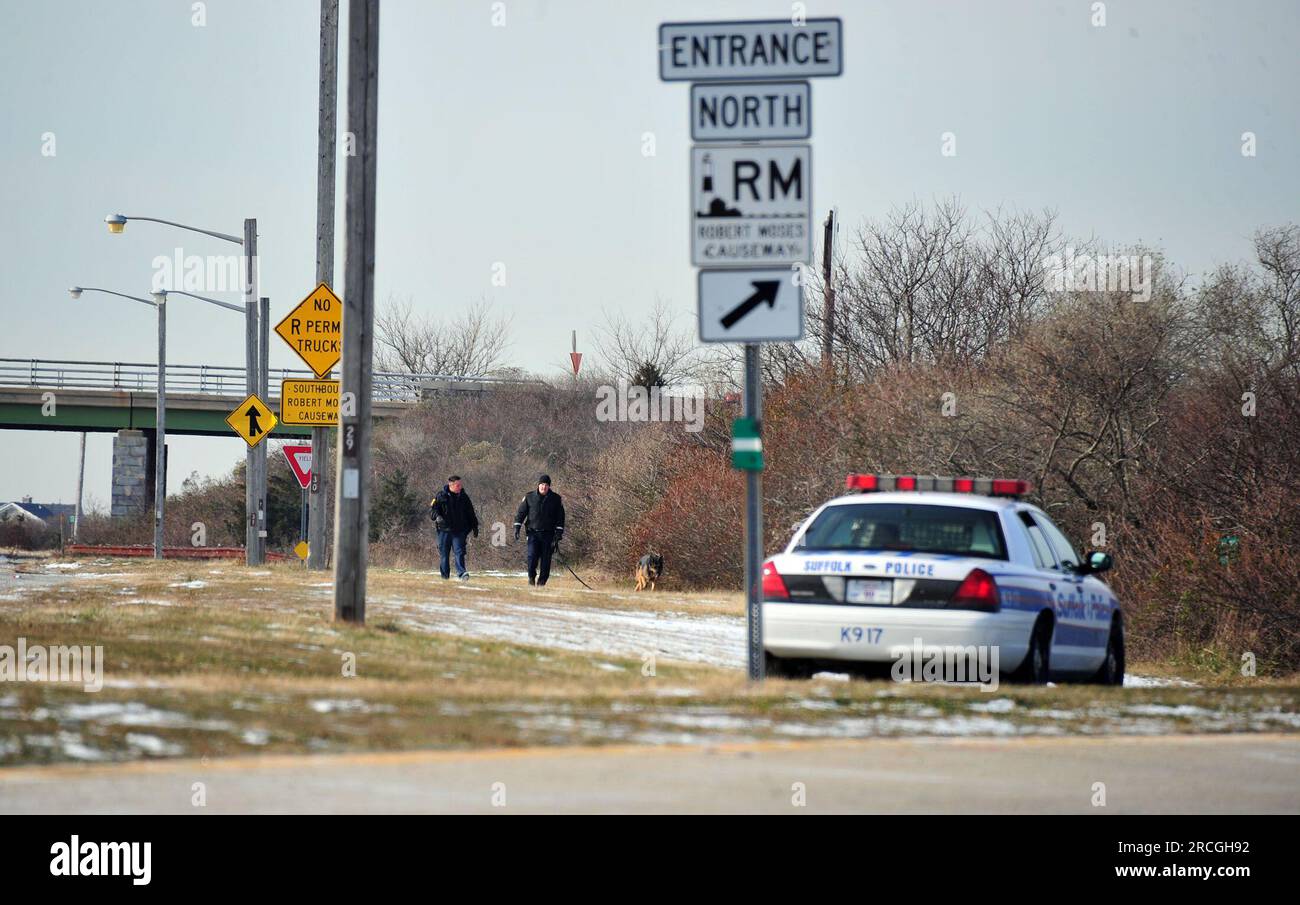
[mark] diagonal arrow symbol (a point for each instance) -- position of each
(764, 291)
(253, 427)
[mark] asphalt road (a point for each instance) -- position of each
(1169, 774)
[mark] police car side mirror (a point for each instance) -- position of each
(1095, 562)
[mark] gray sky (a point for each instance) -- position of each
(523, 145)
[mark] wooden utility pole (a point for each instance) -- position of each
(326, 143)
(828, 292)
(81, 482)
(352, 498)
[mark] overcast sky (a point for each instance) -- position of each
(523, 145)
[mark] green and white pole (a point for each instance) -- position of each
(747, 455)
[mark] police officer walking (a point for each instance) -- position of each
(454, 516)
(542, 512)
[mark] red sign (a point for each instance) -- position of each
(299, 458)
(576, 358)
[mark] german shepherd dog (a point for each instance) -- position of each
(648, 570)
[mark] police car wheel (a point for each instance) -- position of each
(1111, 671)
(1036, 667)
(783, 668)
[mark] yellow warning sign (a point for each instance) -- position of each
(309, 403)
(302, 549)
(314, 329)
(252, 420)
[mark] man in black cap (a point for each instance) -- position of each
(542, 511)
(453, 515)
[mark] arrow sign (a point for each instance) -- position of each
(752, 305)
(253, 420)
(764, 291)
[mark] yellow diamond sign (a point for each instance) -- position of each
(302, 549)
(314, 329)
(252, 420)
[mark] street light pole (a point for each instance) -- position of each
(160, 429)
(159, 304)
(254, 489)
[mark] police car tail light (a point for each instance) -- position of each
(977, 592)
(866, 483)
(773, 586)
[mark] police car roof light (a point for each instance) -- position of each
(865, 483)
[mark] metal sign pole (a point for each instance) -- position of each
(753, 409)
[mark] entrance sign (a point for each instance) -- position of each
(309, 403)
(753, 305)
(751, 205)
(314, 330)
(751, 111)
(252, 420)
(747, 51)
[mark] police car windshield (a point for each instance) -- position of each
(908, 527)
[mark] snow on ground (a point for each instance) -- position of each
(715, 640)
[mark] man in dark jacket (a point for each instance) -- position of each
(542, 511)
(454, 517)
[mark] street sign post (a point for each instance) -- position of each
(757, 49)
(751, 111)
(299, 459)
(253, 420)
(314, 330)
(751, 212)
(751, 205)
(753, 305)
(309, 403)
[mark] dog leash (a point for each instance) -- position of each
(564, 562)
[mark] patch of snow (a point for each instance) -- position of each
(997, 705)
(153, 745)
(256, 736)
(354, 705)
(195, 584)
(1132, 681)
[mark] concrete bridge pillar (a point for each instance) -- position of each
(132, 487)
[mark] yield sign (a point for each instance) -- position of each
(299, 458)
(252, 420)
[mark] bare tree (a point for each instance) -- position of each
(652, 352)
(469, 345)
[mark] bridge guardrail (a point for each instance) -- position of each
(216, 380)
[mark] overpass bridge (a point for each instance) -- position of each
(120, 397)
(115, 396)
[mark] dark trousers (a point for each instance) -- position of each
(448, 542)
(540, 546)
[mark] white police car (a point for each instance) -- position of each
(953, 562)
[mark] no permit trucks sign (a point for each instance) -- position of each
(314, 330)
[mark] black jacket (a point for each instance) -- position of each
(453, 512)
(541, 513)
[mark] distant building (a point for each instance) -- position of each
(50, 515)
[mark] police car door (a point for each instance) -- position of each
(1075, 645)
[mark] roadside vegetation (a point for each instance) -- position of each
(1158, 422)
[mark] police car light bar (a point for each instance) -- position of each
(866, 483)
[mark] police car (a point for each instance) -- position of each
(953, 562)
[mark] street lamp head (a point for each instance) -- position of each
(75, 292)
(116, 223)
